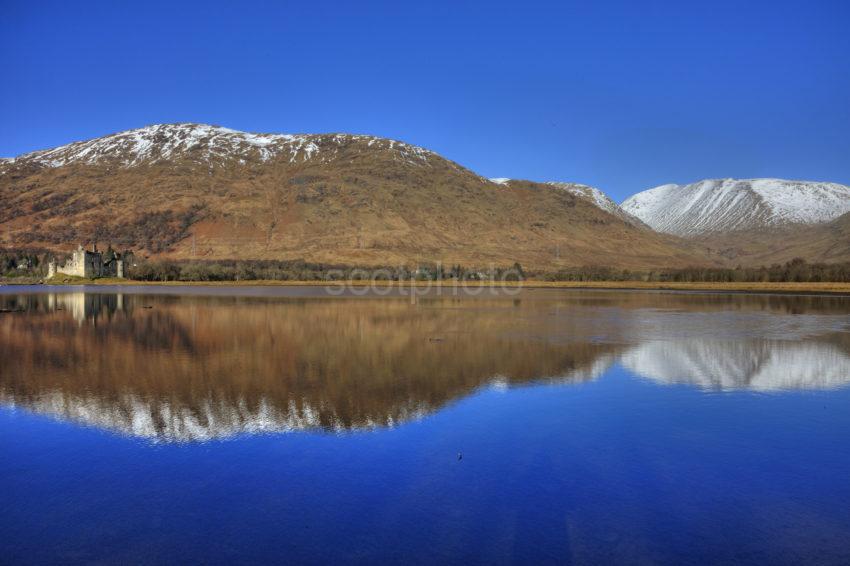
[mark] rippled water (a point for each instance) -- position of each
(282, 424)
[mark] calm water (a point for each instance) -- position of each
(259, 425)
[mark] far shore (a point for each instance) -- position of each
(760, 287)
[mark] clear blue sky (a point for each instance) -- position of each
(619, 95)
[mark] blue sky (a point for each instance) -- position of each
(620, 95)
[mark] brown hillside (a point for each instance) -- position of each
(819, 243)
(191, 191)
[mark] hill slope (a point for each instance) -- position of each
(726, 205)
(818, 243)
(198, 191)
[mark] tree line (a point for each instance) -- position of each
(32, 264)
(299, 270)
(797, 270)
(24, 263)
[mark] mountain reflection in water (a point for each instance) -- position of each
(193, 367)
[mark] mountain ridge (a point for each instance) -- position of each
(188, 191)
(196, 191)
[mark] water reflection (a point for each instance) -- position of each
(760, 365)
(193, 367)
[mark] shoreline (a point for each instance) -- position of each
(752, 287)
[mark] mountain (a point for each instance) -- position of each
(727, 205)
(198, 191)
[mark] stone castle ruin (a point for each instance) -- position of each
(89, 264)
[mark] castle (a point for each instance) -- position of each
(89, 264)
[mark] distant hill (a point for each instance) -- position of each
(730, 205)
(199, 191)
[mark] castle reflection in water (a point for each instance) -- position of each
(86, 306)
(195, 367)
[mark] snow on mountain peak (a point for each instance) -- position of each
(598, 198)
(730, 204)
(205, 143)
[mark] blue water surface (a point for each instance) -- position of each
(564, 428)
(615, 469)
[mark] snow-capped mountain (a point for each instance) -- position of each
(202, 143)
(724, 205)
(201, 191)
(598, 198)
